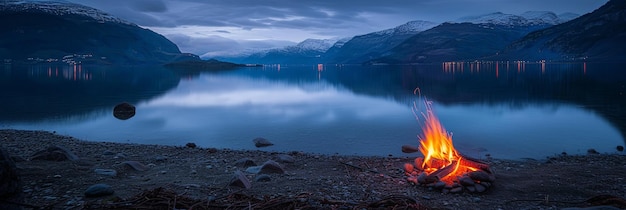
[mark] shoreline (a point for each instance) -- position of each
(315, 179)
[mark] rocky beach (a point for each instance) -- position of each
(62, 172)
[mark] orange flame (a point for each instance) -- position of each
(436, 142)
(437, 148)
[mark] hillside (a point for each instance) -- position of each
(599, 36)
(51, 30)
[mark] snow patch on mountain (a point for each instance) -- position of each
(410, 27)
(58, 7)
(339, 43)
(320, 45)
(524, 19)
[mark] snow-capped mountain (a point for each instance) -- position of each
(362, 47)
(524, 19)
(305, 52)
(58, 7)
(410, 27)
(56, 30)
(320, 45)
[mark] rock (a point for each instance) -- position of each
(466, 181)
(620, 148)
(410, 149)
(480, 176)
(108, 152)
(421, 178)
(191, 145)
(271, 167)
(456, 190)
(160, 158)
(283, 158)
(105, 172)
(245, 162)
(471, 188)
(124, 111)
(486, 184)
(592, 152)
(439, 185)
(262, 178)
(98, 190)
(480, 188)
(408, 168)
(240, 180)
(261, 142)
(55, 153)
(120, 156)
(136, 165)
(10, 186)
(253, 169)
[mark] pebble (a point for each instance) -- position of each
(191, 145)
(105, 172)
(262, 178)
(240, 180)
(466, 181)
(120, 156)
(421, 178)
(456, 190)
(479, 176)
(286, 158)
(245, 162)
(262, 142)
(480, 188)
(592, 152)
(55, 153)
(108, 152)
(270, 167)
(410, 149)
(136, 165)
(160, 158)
(57, 176)
(97, 190)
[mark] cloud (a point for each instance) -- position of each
(226, 25)
(211, 46)
(148, 5)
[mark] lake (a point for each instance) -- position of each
(508, 110)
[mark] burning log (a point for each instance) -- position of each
(442, 167)
(442, 172)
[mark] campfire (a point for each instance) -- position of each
(442, 167)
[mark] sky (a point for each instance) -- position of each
(222, 27)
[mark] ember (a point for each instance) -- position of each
(443, 167)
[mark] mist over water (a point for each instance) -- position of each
(507, 110)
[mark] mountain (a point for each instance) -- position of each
(59, 30)
(308, 51)
(599, 36)
(365, 47)
(468, 38)
(528, 18)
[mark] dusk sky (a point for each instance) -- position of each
(213, 27)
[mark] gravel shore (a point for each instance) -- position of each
(205, 176)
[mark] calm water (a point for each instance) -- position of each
(507, 110)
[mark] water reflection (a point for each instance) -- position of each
(508, 110)
(58, 92)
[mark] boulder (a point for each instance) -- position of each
(55, 153)
(124, 111)
(10, 186)
(262, 142)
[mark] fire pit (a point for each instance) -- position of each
(442, 167)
